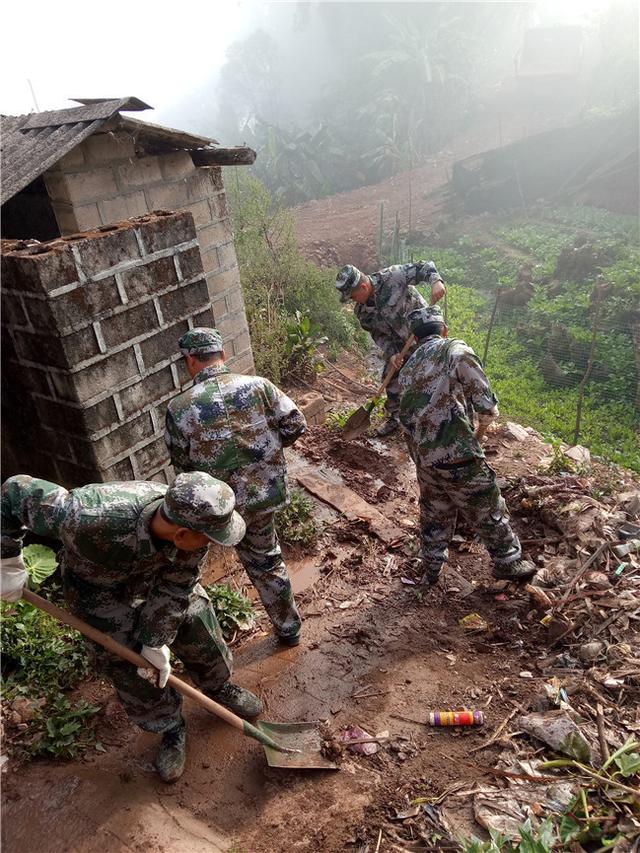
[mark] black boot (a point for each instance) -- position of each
(239, 700)
(388, 427)
(172, 754)
(520, 570)
(289, 639)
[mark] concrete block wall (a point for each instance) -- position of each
(103, 181)
(90, 325)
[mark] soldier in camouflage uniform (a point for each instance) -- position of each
(442, 386)
(130, 567)
(383, 301)
(234, 427)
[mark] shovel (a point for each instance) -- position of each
(292, 745)
(360, 420)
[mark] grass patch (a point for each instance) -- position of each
(291, 304)
(554, 326)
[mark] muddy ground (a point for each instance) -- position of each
(374, 653)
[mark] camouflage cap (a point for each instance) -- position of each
(422, 316)
(200, 341)
(348, 278)
(200, 502)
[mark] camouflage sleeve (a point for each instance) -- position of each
(283, 414)
(167, 601)
(381, 338)
(177, 444)
(474, 381)
(30, 504)
(420, 272)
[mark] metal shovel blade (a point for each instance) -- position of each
(304, 737)
(358, 422)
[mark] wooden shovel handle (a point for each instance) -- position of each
(121, 651)
(391, 370)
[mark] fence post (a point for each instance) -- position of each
(597, 293)
(380, 232)
(491, 322)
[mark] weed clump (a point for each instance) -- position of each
(295, 522)
(41, 661)
(292, 306)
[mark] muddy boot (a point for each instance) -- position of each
(388, 427)
(172, 754)
(520, 570)
(430, 576)
(239, 700)
(288, 639)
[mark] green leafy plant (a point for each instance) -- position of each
(42, 659)
(540, 840)
(337, 419)
(233, 609)
(303, 342)
(295, 522)
(40, 563)
(61, 730)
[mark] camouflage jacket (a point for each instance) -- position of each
(394, 297)
(107, 544)
(441, 387)
(234, 427)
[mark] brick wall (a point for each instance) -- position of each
(103, 181)
(90, 325)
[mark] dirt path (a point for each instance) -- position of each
(373, 655)
(344, 227)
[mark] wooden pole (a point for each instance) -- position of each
(490, 329)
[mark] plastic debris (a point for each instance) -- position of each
(355, 733)
(557, 730)
(473, 622)
(505, 810)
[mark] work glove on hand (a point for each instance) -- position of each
(13, 577)
(159, 657)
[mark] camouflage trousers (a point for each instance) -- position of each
(260, 554)
(471, 490)
(199, 644)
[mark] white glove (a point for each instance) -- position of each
(13, 577)
(159, 657)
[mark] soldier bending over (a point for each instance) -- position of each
(130, 567)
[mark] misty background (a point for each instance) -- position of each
(333, 95)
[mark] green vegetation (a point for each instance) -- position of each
(42, 660)
(295, 522)
(233, 609)
(291, 304)
(539, 348)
